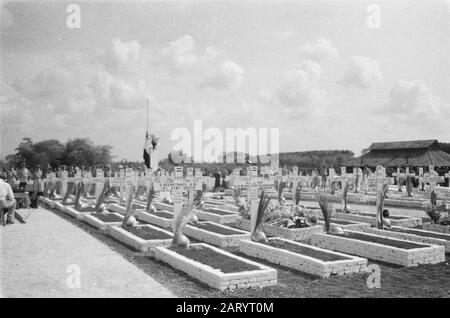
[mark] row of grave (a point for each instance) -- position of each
(364, 188)
(323, 255)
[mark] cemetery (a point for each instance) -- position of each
(219, 149)
(292, 224)
(268, 221)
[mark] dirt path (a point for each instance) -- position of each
(42, 258)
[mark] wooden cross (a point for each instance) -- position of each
(293, 177)
(50, 182)
(433, 178)
(99, 181)
(332, 176)
(379, 178)
(252, 192)
(344, 177)
(88, 180)
(64, 178)
(77, 178)
(176, 186)
(199, 177)
(267, 182)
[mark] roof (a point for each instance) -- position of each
(406, 157)
(414, 144)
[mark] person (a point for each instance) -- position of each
(217, 177)
(7, 200)
(12, 177)
(24, 176)
(37, 187)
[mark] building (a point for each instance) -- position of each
(416, 153)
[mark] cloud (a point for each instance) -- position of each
(82, 84)
(413, 101)
(7, 19)
(225, 75)
(122, 57)
(299, 92)
(208, 68)
(363, 72)
(90, 93)
(320, 51)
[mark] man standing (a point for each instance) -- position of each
(217, 177)
(24, 176)
(7, 200)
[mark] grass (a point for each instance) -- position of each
(423, 281)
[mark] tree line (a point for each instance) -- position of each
(75, 152)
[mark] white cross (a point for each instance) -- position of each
(399, 174)
(379, 178)
(433, 178)
(293, 177)
(344, 177)
(77, 178)
(332, 176)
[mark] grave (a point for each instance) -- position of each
(304, 258)
(294, 234)
(414, 235)
(367, 217)
(381, 248)
(141, 237)
(430, 226)
(217, 268)
(159, 218)
(216, 234)
(102, 221)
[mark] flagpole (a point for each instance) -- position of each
(147, 116)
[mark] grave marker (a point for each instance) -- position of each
(433, 178)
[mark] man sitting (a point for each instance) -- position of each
(7, 201)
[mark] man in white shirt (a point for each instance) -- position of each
(7, 200)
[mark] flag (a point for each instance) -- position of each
(146, 153)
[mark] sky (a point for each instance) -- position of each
(327, 74)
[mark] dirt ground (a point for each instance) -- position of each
(396, 281)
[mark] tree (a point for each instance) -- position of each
(79, 151)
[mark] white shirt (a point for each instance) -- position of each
(6, 191)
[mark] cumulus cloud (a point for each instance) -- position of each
(208, 67)
(363, 72)
(413, 101)
(320, 51)
(225, 75)
(122, 57)
(299, 92)
(90, 93)
(81, 84)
